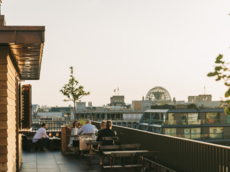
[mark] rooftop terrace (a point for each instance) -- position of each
(56, 162)
(51, 162)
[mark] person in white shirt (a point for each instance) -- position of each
(41, 134)
(74, 129)
(87, 128)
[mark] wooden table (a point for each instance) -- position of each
(54, 142)
(113, 154)
(91, 145)
(108, 153)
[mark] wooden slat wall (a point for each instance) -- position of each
(26, 106)
(8, 101)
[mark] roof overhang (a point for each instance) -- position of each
(26, 45)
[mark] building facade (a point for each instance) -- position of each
(211, 125)
(117, 101)
(21, 49)
(200, 98)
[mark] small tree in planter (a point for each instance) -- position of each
(72, 91)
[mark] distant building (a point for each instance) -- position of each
(34, 110)
(208, 104)
(45, 108)
(158, 95)
(138, 105)
(90, 104)
(80, 106)
(117, 101)
(66, 111)
(200, 98)
(50, 114)
(209, 125)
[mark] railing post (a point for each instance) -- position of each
(63, 140)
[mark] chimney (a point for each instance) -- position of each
(2, 20)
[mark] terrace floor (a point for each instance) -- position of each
(55, 162)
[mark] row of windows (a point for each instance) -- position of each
(195, 133)
(117, 101)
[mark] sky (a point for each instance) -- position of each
(131, 44)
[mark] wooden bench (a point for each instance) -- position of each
(130, 146)
(124, 154)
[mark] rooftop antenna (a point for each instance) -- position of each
(0, 6)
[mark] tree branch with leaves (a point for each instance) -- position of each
(72, 91)
(222, 72)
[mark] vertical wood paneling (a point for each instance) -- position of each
(8, 102)
(3, 109)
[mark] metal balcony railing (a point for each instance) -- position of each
(179, 154)
(53, 126)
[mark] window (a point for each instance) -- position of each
(195, 133)
(184, 119)
(187, 133)
(170, 131)
(192, 133)
(170, 119)
(216, 132)
(212, 118)
(193, 119)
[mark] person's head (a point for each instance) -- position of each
(88, 121)
(103, 124)
(79, 125)
(44, 125)
(75, 124)
(109, 124)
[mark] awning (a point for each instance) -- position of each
(26, 44)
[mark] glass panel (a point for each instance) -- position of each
(170, 131)
(212, 118)
(216, 132)
(170, 120)
(193, 118)
(195, 133)
(187, 133)
(184, 119)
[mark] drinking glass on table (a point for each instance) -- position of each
(50, 134)
(57, 134)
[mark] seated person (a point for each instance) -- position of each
(107, 132)
(41, 134)
(102, 125)
(74, 129)
(87, 128)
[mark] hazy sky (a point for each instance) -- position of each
(131, 44)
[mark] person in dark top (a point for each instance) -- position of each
(103, 126)
(107, 132)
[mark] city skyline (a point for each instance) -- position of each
(131, 45)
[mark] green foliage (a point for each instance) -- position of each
(82, 121)
(222, 72)
(72, 91)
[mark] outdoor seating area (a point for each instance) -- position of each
(54, 142)
(116, 156)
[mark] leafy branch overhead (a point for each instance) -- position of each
(222, 72)
(72, 91)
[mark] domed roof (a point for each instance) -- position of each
(158, 94)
